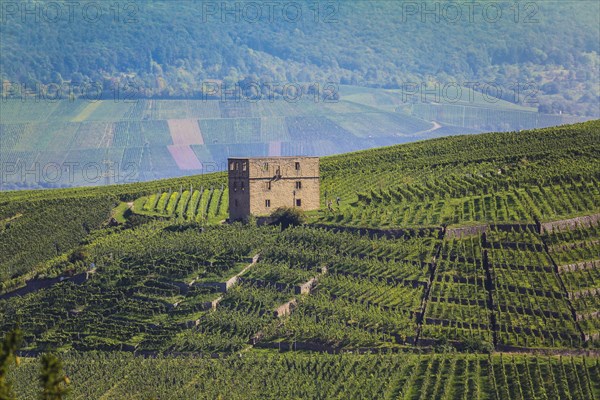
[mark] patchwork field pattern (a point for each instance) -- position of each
(41, 134)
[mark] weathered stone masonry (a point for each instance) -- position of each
(259, 186)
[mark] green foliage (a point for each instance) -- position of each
(46, 229)
(281, 273)
(501, 177)
(288, 216)
(310, 376)
(251, 220)
(52, 378)
(156, 286)
(8, 349)
(146, 289)
(79, 255)
(202, 206)
(476, 345)
(561, 39)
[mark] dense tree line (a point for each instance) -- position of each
(552, 47)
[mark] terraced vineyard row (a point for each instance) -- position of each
(189, 205)
(448, 202)
(148, 289)
(370, 295)
(546, 176)
(576, 253)
(508, 277)
(458, 304)
(531, 306)
(499, 289)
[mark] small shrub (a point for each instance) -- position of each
(79, 255)
(476, 345)
(286, 217)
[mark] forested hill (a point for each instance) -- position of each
(169, 48)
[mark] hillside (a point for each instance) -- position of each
(550, 46)
(447, 258)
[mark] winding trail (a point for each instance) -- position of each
(435, 127)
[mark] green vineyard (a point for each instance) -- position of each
(199, 205)
(302, 376)
(456, 268)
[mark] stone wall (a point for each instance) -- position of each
(224, 286)
(579, 266)
(387, 233)
(572, 223)
(452, 233)
(306, 287)
(281, 194)
(286, 308)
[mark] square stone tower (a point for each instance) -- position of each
(260, 185)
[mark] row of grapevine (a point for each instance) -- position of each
(188, 205)
(576, 252)
(430, 208)
(458, 305)
(297, 375)
(371, 294)
(141, 295)
(531, 307)
(534, 177)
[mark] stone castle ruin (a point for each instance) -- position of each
(258, 186)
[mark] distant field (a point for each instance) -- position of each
(126, 141)
(489, 118)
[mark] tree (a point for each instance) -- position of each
(53, 380)
(8, 350)
(286, 217)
